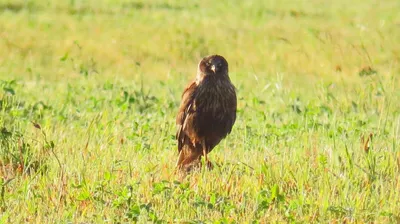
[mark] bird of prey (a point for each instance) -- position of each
(207, 112)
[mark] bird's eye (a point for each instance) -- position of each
(208, 64)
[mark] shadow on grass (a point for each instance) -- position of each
(15, 7)
(88, 9)
(154, 6)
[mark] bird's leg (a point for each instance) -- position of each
(204, 150)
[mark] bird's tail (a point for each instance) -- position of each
(180, 159)
(189, 157)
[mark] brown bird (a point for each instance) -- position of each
(207, 112)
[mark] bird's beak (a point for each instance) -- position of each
(213, 68)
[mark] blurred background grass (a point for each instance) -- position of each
(110, 38)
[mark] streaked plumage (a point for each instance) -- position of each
(207, 112)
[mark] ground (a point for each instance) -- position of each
(89, 91)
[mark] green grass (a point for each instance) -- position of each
(89, 91)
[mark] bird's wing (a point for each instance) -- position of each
(185, 108)
(233, 114)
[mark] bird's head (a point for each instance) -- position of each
(213, 65)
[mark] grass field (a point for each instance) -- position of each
(89, 91)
